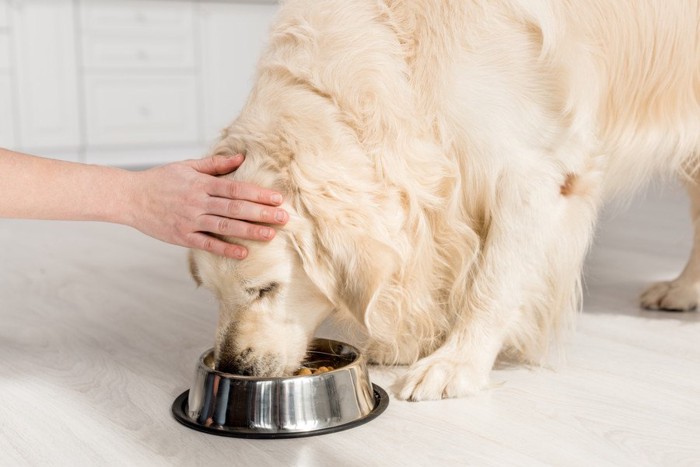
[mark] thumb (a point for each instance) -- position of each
(218, 165)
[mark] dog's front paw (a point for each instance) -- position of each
(439, 377)
(670, 296)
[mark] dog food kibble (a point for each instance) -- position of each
(313, 371)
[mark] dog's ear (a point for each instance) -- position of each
(315, 264)
(349, 270)
(363, 270)
(194, 272)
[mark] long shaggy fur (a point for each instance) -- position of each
(444, 160)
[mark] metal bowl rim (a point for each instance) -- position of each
(360, 358)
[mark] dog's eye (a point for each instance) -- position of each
(263, 291)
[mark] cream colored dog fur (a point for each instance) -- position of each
(444, 162)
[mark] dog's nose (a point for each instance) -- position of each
(227, 366)
(234, 363)
(247, 363)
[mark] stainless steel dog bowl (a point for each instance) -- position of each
(248, 407)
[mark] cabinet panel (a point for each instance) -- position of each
(4, 21)
(4, 50)
(141, 110)
(138, 34)
(117, 51)
(44, 42)
(233, 36)
(7, 135)
(145, 16)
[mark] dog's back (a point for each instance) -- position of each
(645, 65)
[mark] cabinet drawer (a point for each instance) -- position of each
(4, 51)
(143, 110)
(148, 16)
(116, 51)
(44, 71)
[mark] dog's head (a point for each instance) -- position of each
(332, 256)
(271, 303)
(268, 307)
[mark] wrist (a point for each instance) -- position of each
(123, 197)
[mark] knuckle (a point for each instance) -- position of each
(234, 190)
(266, 215)
(223, 225)
(252, 231)
(208, 244)
(181, 227)
(196, 192)
(210, 204)
(203, 184)
(206, 163)
(235, 208)
(266, 233)
(232, 252)
(191, 240)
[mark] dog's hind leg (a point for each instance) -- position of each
(539, 232)
(681, 294)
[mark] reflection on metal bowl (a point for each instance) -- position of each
(249, 407)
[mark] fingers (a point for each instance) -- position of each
(246, 210)
(231, 189)
(217, 165)
(235, 228)
(232, 209)
(225, 188)
(202, 241)
(230, 228)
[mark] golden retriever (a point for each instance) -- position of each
(443, 163)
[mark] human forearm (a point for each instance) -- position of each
(185, 203)
(38, 188)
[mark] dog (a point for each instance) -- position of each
(444, 163)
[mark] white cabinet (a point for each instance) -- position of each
(141, 110)
(125, 82)
(7, 131)
(4, 38)
(4, 51)
(46, 73)
(7, 134)
(233, 36)
(3, 14)
(140, 77)
(139, 16)
(105, 51)
(138, 34)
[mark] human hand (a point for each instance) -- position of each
(184, 203)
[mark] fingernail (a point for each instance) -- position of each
(276, 198)
(280, 216)
(266, 232)
(241, 254)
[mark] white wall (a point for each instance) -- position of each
(125, 82)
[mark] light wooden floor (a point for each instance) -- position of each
(100, 327)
